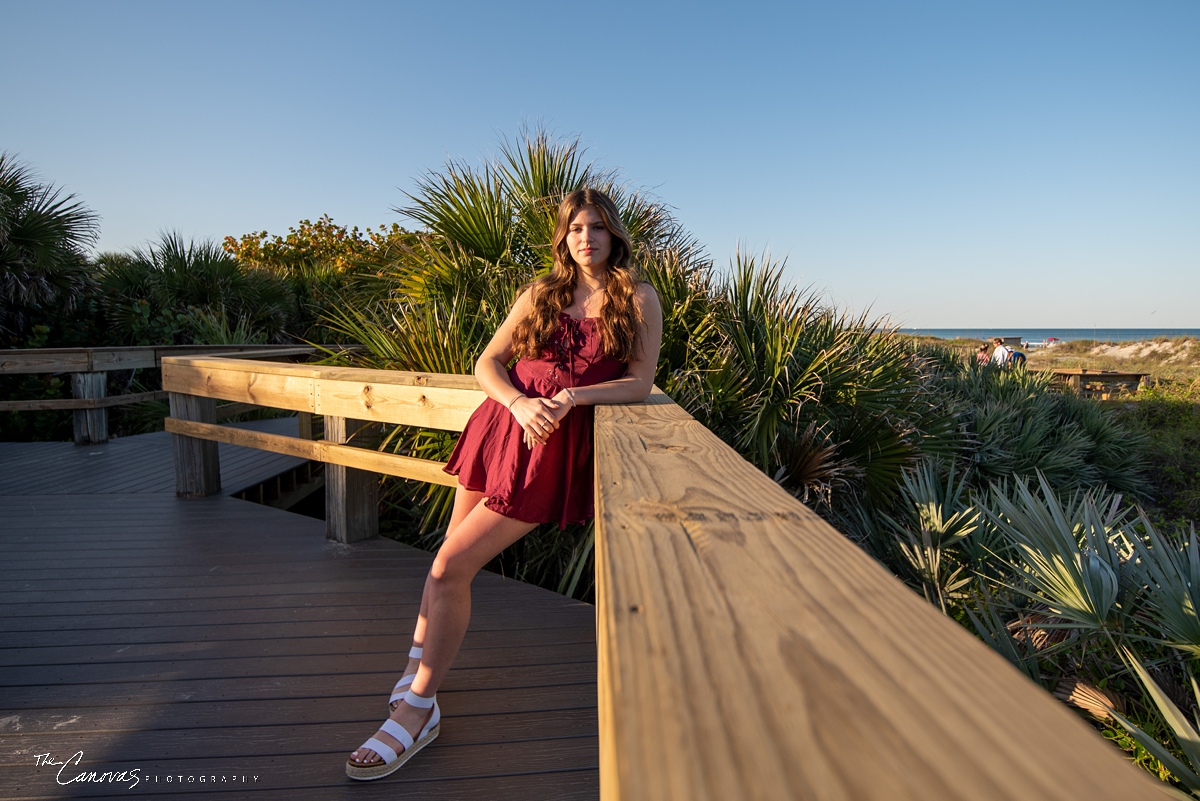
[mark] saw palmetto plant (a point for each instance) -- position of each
(938, 517)
(173, 278)
(43, 238)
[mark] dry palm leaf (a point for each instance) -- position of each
(1088, 697)
(1030, 628)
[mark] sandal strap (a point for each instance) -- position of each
(383, 749)
(434, 720)
(419, 701)
(396, 730)
(415, 652)
(401, 687)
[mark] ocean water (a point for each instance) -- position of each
(1063, 334)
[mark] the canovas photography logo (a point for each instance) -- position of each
(70, 771)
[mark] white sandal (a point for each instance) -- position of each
(391, 760)
(402, 686)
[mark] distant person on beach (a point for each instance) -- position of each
(587, 332)
(1001, 354)
(982, 356)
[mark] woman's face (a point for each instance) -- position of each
(588, 240)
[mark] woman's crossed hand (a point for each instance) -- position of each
(539, 418)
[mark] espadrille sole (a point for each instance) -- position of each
(377, 770)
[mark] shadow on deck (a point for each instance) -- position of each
(220, 646)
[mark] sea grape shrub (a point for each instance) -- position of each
(320, 243)
(320, 262)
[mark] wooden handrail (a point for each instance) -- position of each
(748, 650)
(429, 400)
(100, 360)
(88, 367)
(350, 399)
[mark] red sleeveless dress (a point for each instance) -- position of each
(553, 482)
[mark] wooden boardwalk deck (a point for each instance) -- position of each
(221, 647)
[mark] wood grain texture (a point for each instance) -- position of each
(748, 650)
(197, 461)
(281, 389)
(90, 424)
(379, 400)
(351, 495)
(383, 396)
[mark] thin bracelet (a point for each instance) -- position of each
(570, 396)
(514, 400)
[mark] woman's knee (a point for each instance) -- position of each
(451, 569)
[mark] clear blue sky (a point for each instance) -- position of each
(960, 163)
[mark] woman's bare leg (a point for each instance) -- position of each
(479, 536)
(464, 501)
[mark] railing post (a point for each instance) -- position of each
(351, 495)
(197, 461)
(91, 425)
(304, 422)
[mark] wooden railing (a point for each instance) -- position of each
(746, 649)
(348, 399)
(89, 369)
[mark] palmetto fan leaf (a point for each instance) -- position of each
(936, 516)
(691, 334)
(43, 236)
(1066, 553)
(539, 168)
(438, 271)
(469, 208)
(537, 172)
(1171, 570)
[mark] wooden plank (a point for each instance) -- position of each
(331, 453)
(88, 360)
(214, 635)
(329, 372)
(429, 400)
(507, 647)
(91, 424)
(747, 650)
(290, 388)
(45, 360)
(227, 410)
(442, 762)
(281, 738)
(252, 352)
(365, 625)
(305, 424)
(375, 400)
(70, 404)
(99, 715)
(136, 358)
(197, 461)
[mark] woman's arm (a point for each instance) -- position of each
(638, 380)
(536, 416)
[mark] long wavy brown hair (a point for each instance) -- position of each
(555, 291)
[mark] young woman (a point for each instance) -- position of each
(588, 332)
